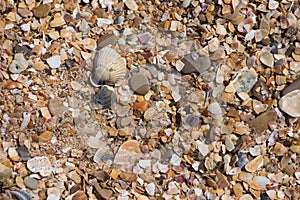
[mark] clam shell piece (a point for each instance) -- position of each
(108, 66)
(290, 103)
(106, 96)
(267, 59)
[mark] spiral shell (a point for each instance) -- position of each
(108, 66)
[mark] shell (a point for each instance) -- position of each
(21, 195)
(108, 66)
(106, 96)
(267, 59)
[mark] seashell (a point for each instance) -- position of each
(290, 102)
(57, 21)
(213, 44)
(108, 66)
(280, 80)
(88, 43)
(273, 4)
(106, 96)
(21, 195)
(267, 59)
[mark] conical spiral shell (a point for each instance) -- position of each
(108, 66)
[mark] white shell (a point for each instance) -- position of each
(108, 66)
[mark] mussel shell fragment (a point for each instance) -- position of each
(106, 96)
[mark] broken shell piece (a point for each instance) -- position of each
(19, 64)
(213, 44)
(267, 59)
(105, 96)
(290, 102)
(57, 21)
(108, 66)
(244, 81)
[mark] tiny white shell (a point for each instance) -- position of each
(108, 66)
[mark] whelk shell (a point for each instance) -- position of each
(108, 66)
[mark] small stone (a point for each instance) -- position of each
(145, 163)
(128, 153)
(45, 112)
(262, 181)
(242, 160)
(290, 102)
(54, 62)
(102, 193)
(222, 180)
(46, 136)
(131, 4)
(254, 164)
(293, 86)
(195, 63)
(23, 49)
(31, 183)
(40, 165)
(104, 155)
(42, 10)
(56, 106)
(19, 64)
(215, 108)
(57, 21)
(106, 96)
(13, 154)
(150, 189)
(23, 152)
(142, 105)
(128, 176)
(107, 39)
(193, 120)
(175, 160)
(273, 4)
(144, 38)
(244, 81)
(261, 122)
(267, 59)
(139, 83)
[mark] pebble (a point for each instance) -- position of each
(242, 160)
(73, 175)
(56, 106)
(102, 193)
(238, 190)
(40, 165)
(24, 153)
(150, 189)
(21, 195)
(175, 160)
(262, 181)
(215, 108)
(139, 83)
(195, 63)
(145, 163)
(261, 122)
(144, 38)
(31, 183)
(131, 4)
(128, 176)
(280, 149)
(42, 10)
(267, 59)
(57, 21)
(290, 102)
(107, 39)
(254, 164)
(106, 96)
(13, 154)
(104, 155)
(128, 153)
(46, 136)
(54, 62)
(293, 86)
(19, 64)
(243, 82)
